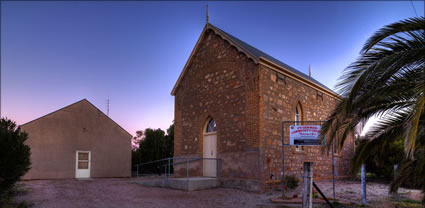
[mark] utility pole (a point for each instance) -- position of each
(107, 107)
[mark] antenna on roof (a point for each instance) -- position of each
(208, 17)
(107, 107)
(309, 70)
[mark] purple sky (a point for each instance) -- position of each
(55, 53)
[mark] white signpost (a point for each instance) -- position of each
(303, 135)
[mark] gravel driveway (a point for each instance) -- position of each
(125, 193)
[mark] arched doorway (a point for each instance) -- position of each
(210, 149)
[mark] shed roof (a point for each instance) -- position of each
(85, 101)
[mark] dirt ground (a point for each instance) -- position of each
(125, 193)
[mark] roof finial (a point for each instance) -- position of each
(309, 70)
(207, 14)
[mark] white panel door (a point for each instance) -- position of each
(210, 151)
(82, 164)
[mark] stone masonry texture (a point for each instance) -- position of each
(248, 102)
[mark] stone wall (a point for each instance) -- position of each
(221, 83)
(248, 101)
(279, 98)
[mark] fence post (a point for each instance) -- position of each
(363, 184)
(395, 195)
(137, 168)
(308, 185)
(333, 171)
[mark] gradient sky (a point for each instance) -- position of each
(56, 53)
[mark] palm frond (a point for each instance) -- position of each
(412, 24)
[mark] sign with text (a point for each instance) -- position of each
(302, 135)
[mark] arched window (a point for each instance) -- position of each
(298, 119)
(298, 114)
(211, 126)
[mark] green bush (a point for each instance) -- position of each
(291, 181)
(14, 157)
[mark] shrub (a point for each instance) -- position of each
(291, 181)
(14, 157)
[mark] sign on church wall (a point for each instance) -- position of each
(302, 135)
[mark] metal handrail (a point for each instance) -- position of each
(187, 161)
(172, 158)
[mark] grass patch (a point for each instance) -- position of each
(7, 199)
(407, 203)
(18, 205)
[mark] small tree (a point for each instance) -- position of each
(153, 144)
(169, 141)
(14, 156)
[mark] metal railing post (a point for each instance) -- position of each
(166, 169)
(216, 167)
(219, 168)
(187, 169)
(169, 167)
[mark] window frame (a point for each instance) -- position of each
(207, 125)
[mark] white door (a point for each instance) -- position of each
(82, 164)
(210, 151)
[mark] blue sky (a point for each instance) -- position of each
(55, 53)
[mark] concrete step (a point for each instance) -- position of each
(185, 184)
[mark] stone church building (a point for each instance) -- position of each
(230, 101)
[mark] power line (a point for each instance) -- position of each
(414, 9)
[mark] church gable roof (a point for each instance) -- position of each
(260, 54)
(251, 52)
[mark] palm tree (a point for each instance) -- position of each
(388, 81)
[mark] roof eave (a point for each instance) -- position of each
(233, 43)
(74, 104)
(189, 60)
(283, 70)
